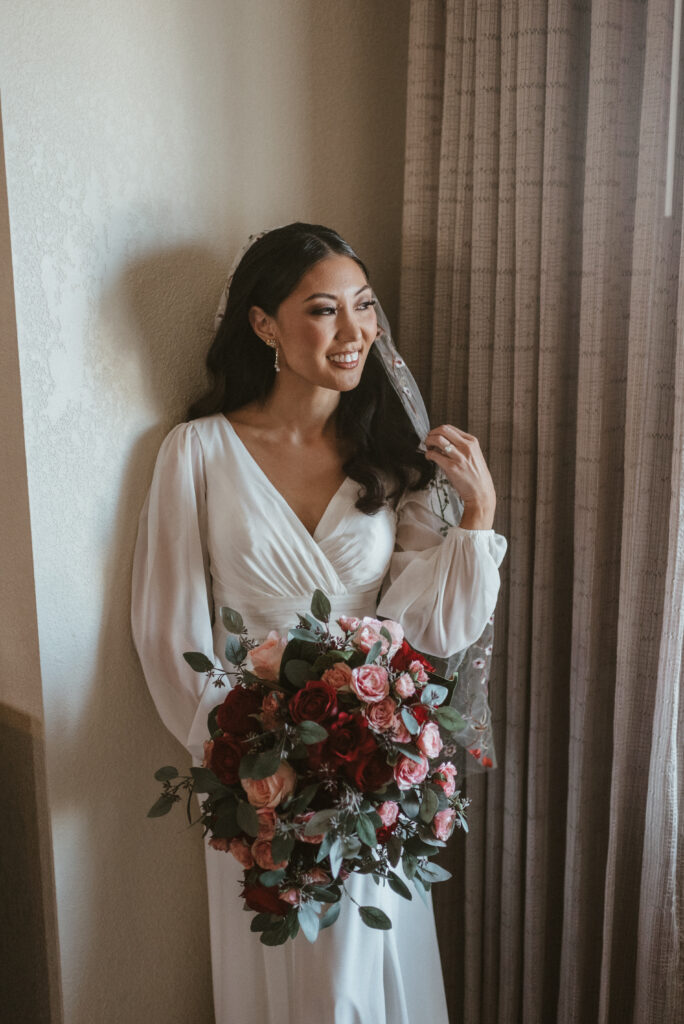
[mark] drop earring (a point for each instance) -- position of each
(274, 345)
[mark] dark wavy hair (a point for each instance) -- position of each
(370, 419)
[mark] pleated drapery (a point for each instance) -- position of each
(543, 310)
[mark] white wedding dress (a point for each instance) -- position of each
(214, 531)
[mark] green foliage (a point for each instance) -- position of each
(375, 918)
(311, 732)
(198, 662)
(321, 822)
(281, 847)
(308, 922)
(410, 752)
(269, 878)
(330, 916)
(162, 806)
(398, 886)
(232, 620)
(235, 652)
(320, 606)
(433, 694)
(450, 719)
(410, 804)
(260, 765)
(374, 652)
(166, 773)
(364, 827)
(409, 721)
(247, 818)
(206, 782)
(428, 806)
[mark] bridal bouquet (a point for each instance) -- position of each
(330, 754)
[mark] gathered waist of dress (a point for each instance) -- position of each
(280, 613)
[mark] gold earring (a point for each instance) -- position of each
(274, 345)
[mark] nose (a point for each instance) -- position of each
(349, 324)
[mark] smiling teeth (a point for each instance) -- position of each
(346, 357)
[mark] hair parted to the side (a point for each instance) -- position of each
(370, 419)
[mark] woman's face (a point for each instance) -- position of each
(325, 327)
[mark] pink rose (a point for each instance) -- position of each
(261, 851)
(388, 812)
(448, 772)
(267, 820)
(443, 823)
(380, 716)
(418, 672)
(291, 896)
(370, 683)
(271, 791)
(397, 634)
(338, 675)
(429, 741)
(301, 819)
(267, 656)
(408, 773)
(400, 733)
(241, 852)
(367, 634)
(404, 686)
(220, 844)
(271, 709)
(348, 623)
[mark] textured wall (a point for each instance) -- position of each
(143, 143)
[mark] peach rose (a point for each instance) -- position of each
(241, 852)
(449, 772)
(404, 686)
(261, 851)
(380, 716)
(219, 844)
(267, 820)
(271, 791)
(388, 811)
(429, 741)
(270, 709)
(348, 623)
(408, 773)
(367, 634)
(301, 819)
(338, 675)
(370, 683)
(418, 672)
(266, 658)
(443, 823)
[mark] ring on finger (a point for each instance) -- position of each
(448, 447)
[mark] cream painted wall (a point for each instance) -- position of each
(143, 142)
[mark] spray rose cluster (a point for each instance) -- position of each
(330, 754)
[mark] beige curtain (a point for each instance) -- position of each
(543, 310)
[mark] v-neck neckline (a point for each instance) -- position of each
(243, 448)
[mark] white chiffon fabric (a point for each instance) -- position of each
(214, 531)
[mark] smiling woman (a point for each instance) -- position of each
(287, 480)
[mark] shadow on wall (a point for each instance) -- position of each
(169, 297)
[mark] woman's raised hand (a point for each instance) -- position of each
(459, 455)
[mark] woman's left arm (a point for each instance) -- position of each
(443, 579)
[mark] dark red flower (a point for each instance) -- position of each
(234, 714)
(316, 702)
(385, 832)
(346, 737)
(370, 771)
(405, 655)
(264, 900)
(224, 758)
(420, 712)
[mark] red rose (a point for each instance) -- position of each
(224, 759)
(420, 712)
(347, 735)
(385, 832)
(370, 771)
(233, 715)
(317, 702)
(264, 900)
(405, 655)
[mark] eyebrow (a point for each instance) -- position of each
(326, 295)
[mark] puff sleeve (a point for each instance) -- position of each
(172, 608)
(443, 581)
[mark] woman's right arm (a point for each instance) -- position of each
(172, 608)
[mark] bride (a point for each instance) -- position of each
(300, 469)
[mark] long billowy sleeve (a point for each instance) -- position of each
(171, 606)
(443, 581)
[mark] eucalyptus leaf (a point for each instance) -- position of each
(277, 934)
(410, 804)
(198, 662)
(320, 606)
(292, 919)
(410, 752)
(350, 846)
(206, 782)
(375, 918)
(324, 848)
(374, 652)
(269, 878)
(303, 634)
(450, 719)
(323, 895)
(311, 732)
(235, 652)
(393, 848)
(336, 857)
(261, 921)
(421, 889)
(330, 916)
(225, 823)
(410, 865)
(365, 829)
(165, 773)
(409, 721)
(300, 803)
(247, 818)
(400, 887)
(434, 694)
(281, 848)
(298, 672)
(320, 822)
(260, 765)
(384, 631)
(232, 620)
(161, 806)
(428, 806)
(308, 922)
(462, 821)
(432, 872)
